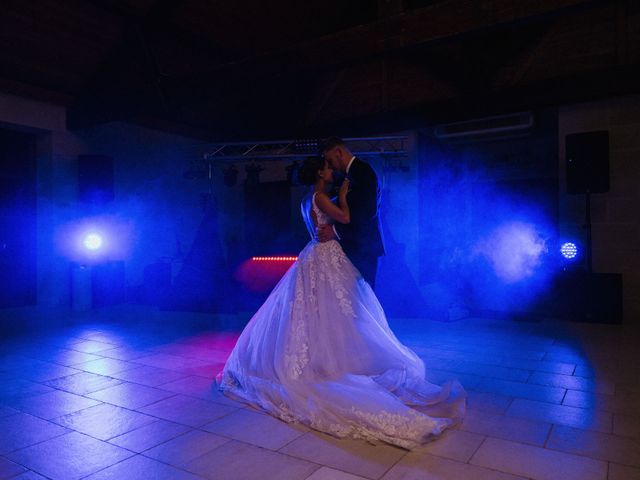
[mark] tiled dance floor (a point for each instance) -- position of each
(134, 400)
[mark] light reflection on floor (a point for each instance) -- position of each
(131, 395)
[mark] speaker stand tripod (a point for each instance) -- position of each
(587, 226)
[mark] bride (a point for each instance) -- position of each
(320, 352)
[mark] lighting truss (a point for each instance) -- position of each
(282, 149)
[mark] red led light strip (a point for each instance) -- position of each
(274, 259)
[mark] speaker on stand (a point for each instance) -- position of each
(588, 296)
(96, 285)
(587, 162)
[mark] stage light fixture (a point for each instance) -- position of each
(569, 250)
(307, 145)
(253, 174)
(92, 241)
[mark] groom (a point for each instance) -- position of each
(361, 239)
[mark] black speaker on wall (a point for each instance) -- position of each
(587, 161)
(95, 179)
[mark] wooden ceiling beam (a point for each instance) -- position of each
(115, 92)
(439, 22)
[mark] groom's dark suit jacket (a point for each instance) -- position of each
(361, 239)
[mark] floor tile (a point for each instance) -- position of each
(572, 382)
(562, 415)
(539, 365)
(521, 390)
(628, 386)
(623, 472)
(125, 353)
(6, 411)
(9, 469)
(22, 430)
(598, 445)
(440, 377)
(90, 346)
(473, 368)
(429, 467)
(70, 358)
(142, 468)
(454, 444)
(621, 402)
(69, 457)
(47, 371)
(54, 404)
(130, 395)
(10, 388)
(520, 378)
(104, 421)
(575, 358)
(626, 425)
(502, 350)
(150, 376)
(488, 402)
(209, 370)
(260, 430)
(186, 447)
(624, 373)
(83, 383)
(149, 435)
(200, 387)
(13, 362)
(537, 463)
(241, 461)
(29, 475)
(106, 366)
(505, 427)
(187, 410)
(170, 362)
(352, 456)
(326, 473)
(104, 336)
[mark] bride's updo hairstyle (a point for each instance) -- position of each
(308, 173)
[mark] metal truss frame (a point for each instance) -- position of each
(394, 146)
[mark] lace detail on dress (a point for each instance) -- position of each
(336, 275)
(332, 251)
(407, 429)
(297, 351)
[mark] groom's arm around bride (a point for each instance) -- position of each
(361, 239)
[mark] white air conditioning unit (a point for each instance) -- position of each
(499, 124)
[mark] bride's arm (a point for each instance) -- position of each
(340, 213)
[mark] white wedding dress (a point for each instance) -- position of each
(320, 352)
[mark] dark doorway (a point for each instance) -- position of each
(18, 241)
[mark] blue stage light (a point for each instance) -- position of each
(569, 250)
(92, 241)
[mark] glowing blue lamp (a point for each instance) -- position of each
(569, 250)
(92, 241)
